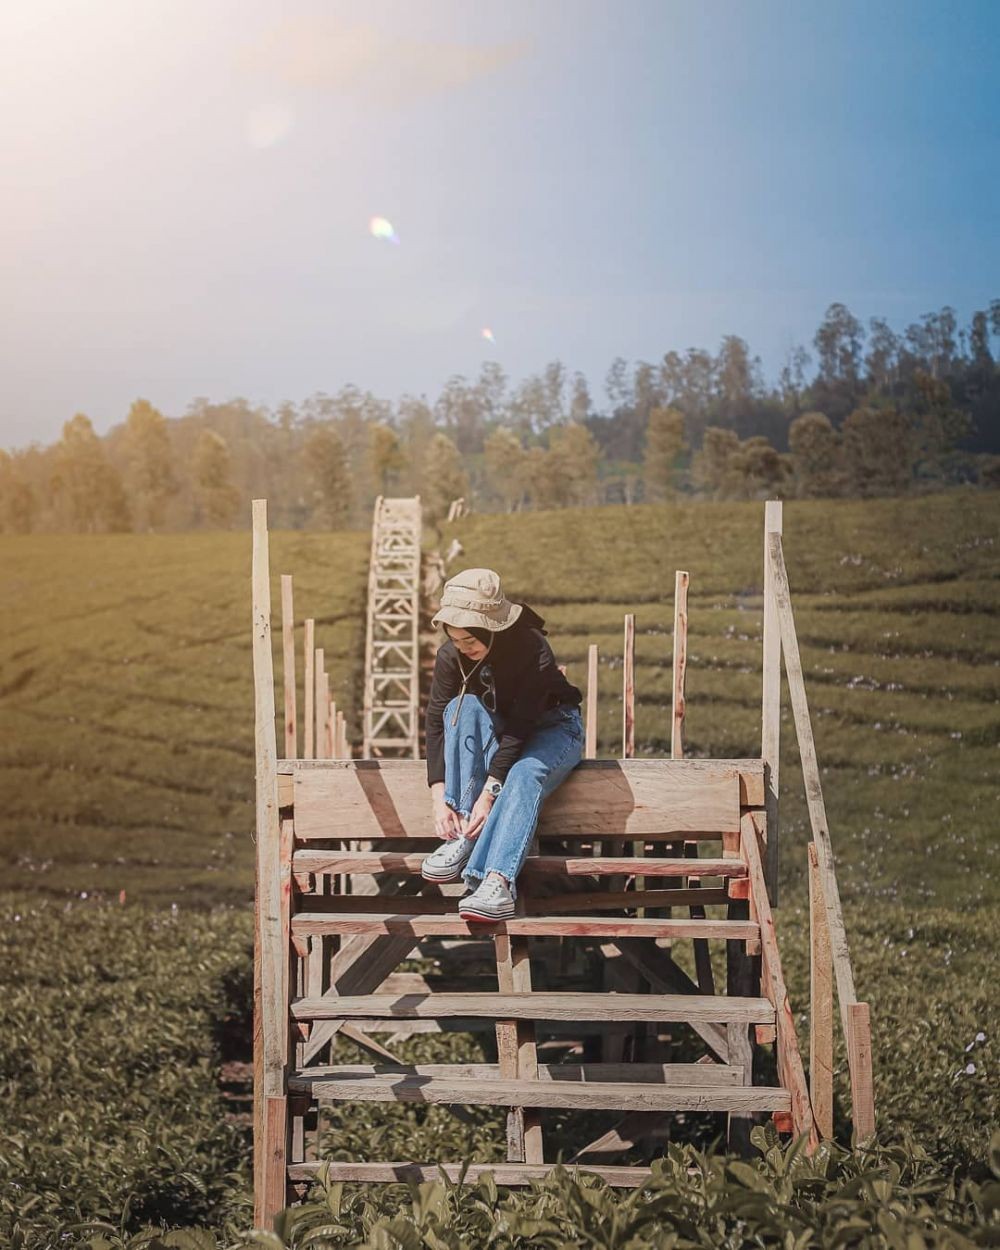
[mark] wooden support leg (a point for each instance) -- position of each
(702, 958)
(516, 1050)
(859, 1051)
(742, 980)
(820, 1004)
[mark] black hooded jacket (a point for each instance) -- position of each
(527, 682)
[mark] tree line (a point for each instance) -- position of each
(868, 412)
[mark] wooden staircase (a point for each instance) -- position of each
(594, 949)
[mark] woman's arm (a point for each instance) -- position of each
(537, 678)
(445, 684)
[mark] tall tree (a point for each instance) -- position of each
(506, 468)
(388, 460)
(664, 445)
(150, 477)
(18, 504)
(715, 468)
(444, 476)
(575, 456)
(90, 485)
(218, 498)
(817, 464)
(878, 451)
(325, 462)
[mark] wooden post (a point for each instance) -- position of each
(288, 667)
(771, 703)
(628, 693)
(320, 704)
(590, 743)
(343, 750)
(859, 1053)
(271, 944)
(332, 741)
(680, 664)
(820, 1005)
(308, 748)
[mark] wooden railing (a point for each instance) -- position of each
(830, 959)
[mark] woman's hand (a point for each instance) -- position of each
(477, 817)
(447, 822)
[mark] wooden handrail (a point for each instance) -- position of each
(853, 1014)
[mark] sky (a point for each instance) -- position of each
(186, 188)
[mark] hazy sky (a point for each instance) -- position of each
(186, 186)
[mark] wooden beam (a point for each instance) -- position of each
(320, 696)
(308, 861)
(306, 924)
(590, 740)
(771, 698)
(288, 666)
(508, 1174)
(612, 1096)
(628, 688)
(272, 941)
(859, 1054)
(679, 664)
(309, 687)
(538, 1005)
(644, 1073)
(790, 1070)
(820, 1005)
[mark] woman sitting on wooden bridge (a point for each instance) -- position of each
(494, 756)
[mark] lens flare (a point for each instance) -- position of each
(382, 228)
(488, 335)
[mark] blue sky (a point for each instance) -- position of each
(187, 186)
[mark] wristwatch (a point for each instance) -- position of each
(493, 787)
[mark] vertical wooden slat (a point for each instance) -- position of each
(859, 1052)
(516, 1048)
(271, 945)
(343, 750)
(590, 741)
(320, 704)
(771, 701)
(308, 746)
(288, 666)
(679, 665)
(331, 724)
(628, 689)
(820, 1004)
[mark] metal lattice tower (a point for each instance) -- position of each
(392, 672)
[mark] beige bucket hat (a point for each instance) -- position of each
(474, 599)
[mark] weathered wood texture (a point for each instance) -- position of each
(820, 1005)
(590, 739)
(310, 861)
(679, 664)
(273, 942)
(771, 699)
(613, 1096)
(288, 667)
(539, 1005)
(307, 923)
(309, 690)
(365, 799)
(511, 1174)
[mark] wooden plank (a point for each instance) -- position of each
(288, 666)
(617, 900)
(859, 1054)
(590, 737)
(539, 1005)
(516, 1046)
(317, 862)
(309, 690)
(321, 697)
(509, 1174)
(366, 799)
(820, 1005)
(272, 955)
(790, 1070)
(826, 872)
(771, 698)
(598, 1096)
(644, 1073)
(679, 664)
(628, 688)
(307, 923)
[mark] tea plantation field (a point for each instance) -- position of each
(126, 765)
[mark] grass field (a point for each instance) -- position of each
(126, 763)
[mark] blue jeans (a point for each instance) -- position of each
(547, 758)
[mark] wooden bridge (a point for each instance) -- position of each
(632, 858)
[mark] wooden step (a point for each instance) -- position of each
(514, 1174)
(534, 904)
(548, 1005)
(569, 1095)
(644, 1073)
(534, 865)
(311, 924)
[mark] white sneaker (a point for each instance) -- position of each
(446, 863)
(491, 901)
